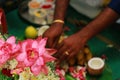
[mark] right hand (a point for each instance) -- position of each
(53, 34)
(70, 47)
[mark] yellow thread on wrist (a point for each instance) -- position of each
(58, 21)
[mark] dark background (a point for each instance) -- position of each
(9, 5)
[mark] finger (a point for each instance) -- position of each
(61, 51)
(57, 54)
(59, 45)
(63, 57)
(65, 54)
(70, 56)
(72, 53)
(62, 47)
(55, 43)
(50, 42)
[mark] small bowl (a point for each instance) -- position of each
(47, 5)
(33, 5)
(40, 16)
(95, 66)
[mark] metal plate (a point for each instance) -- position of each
(23, 12)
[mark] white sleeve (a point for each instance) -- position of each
(94, 3)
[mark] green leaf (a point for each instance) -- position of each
(68, 77)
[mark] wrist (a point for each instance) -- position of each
(84, 36)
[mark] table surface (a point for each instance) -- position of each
(99, 45)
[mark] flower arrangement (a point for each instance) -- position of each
(30, 60)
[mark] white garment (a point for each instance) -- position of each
(89, 8)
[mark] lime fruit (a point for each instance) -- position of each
(31, 32)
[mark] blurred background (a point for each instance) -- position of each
(9, 5)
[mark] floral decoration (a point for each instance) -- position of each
(31, 57)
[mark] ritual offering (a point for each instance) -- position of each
(26, 60)
(29, 59)
(82, 57)
(95, 66)
(32, 6)
(40, 16)
(49, 17)
(38, 11)
(42, 29)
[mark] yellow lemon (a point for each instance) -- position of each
(31, 32)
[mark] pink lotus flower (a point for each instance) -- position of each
(35, 55)
(8, 48)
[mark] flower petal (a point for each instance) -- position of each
(34, 44)
(21, 56)
(28, 63)
(1, 42)
(11, 40)
(35, 69)
(40, 61)
(41, 46)
(51, 51)
(48, 58)
(45, 69)
(4, 58)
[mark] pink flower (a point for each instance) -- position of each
(35, 55)
(7, 49)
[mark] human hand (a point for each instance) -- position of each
(53, 33)
(70, 46)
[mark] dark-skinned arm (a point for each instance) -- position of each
(56, 29)
(106, 18)
(75, 42)
(60, 9)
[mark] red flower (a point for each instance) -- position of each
(6, 72)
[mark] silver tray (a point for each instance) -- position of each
(23, 12)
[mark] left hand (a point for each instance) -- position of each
(53, 33)
(72, 45)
